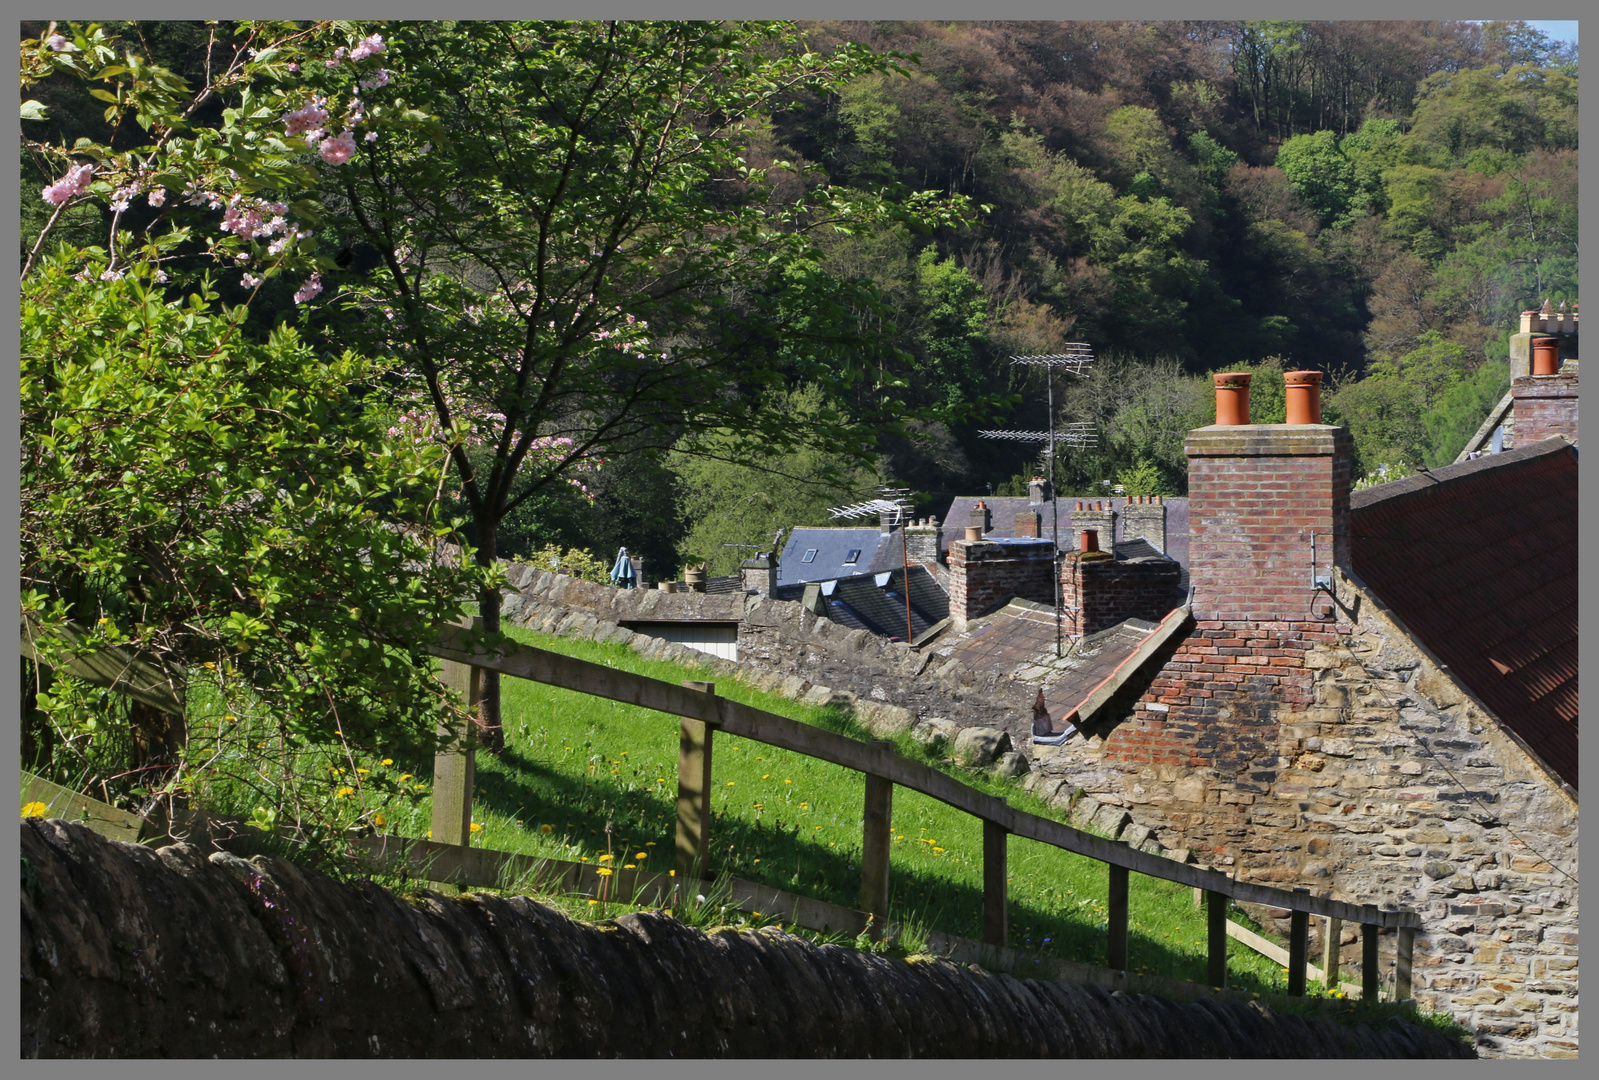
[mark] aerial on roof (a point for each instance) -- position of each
(1479, 560)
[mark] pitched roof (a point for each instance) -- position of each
(833, 546)
(1002, 517)
(1479, 560)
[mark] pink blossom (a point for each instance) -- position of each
(161, 276)
(294, 66)
(426, 147)
(368, 47)
(58, 43)
(338, 150)
(111, 275)
(245, 224)
(249, 281)
(331, 63)
(371, 136)
(120, 198)
(312, 286)
(76, 180)
(157, 197)
(303, 121)
(378, 78)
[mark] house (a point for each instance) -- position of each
(1545, 345)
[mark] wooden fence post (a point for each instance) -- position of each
(1332, 929)
(1368, 954)
(1298, 948)
(1405, 943)
(1116, 919)
(694, 791)
(996, 918)
(455, 763)
(1216, 924)
(876, 837)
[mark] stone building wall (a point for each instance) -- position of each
(1344, 759)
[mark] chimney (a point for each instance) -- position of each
(921, 541)
(1028, 523)
(1097, 515)
(759, 573)
(1039, 490)
(1232, 398)
(886, 521)
(1145, 516)
(1545, 324)
(639, 568)
(1098, 590)
(985, 574)
(1257, 495)
(1545, 405)
(979, 516)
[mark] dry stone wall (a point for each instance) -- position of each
(128, 952)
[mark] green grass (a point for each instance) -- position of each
(577, 765)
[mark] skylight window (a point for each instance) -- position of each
(810, 555)
(853, 557)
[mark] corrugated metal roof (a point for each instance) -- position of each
(1479, 560)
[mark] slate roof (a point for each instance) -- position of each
(879, 552)
(876, 602)
(1002, 518)
(1018, 642)
(1479, 560)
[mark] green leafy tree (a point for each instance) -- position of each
(735, 498)
(1317, 166)
(952, 328)
(572, 246)
(1460, 410)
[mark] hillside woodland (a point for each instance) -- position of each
(1375, 200)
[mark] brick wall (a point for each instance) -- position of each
(1027, 524)
(1145, 516)
(1545, 405)
(1257, 494)
(983, 574)
(1098, 595)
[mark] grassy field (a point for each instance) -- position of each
(584, 777)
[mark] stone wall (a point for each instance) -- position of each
(128, 952)
(785, 649)
(1345, 759)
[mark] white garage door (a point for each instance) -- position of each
(717, 638)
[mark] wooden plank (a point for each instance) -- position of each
(1100, 695)
(1331, 930)
(1402, 959)
(134, 674)
(455, 764)
(1368, 960)
(876, 839)
(996, 889)
(1298, 951)
(693, 857)
(1216, 944)
(539, 665)
(1116, 919)
(69, 805)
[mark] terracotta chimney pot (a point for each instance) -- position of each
(974, 533)
(1232, 398)
(1304, 396)
(1090, 539)
(1545, 356)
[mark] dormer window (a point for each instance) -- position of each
(853, 557)
(810, 555)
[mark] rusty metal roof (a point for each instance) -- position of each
(1479, 560)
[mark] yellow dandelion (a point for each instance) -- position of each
(585, 858)
(421, 787)
(230, 716)
(430, 834)
(546, 829)
(642, 855)
(379, 820)
(671, 873)
(604, 871)
(730, 783)
(605, 858)
(757, 860)
(388, 761)
(344, 792)
(648, 843)
(104, 621)
(210, 665)
(938, 851)
(404, 777)
(818, 828)
(788, 781)
(629, 866)
(594, 901)
(474, 827)
(766, 776)
(35, 809)
(363, 772)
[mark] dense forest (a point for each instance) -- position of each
(1374, 200)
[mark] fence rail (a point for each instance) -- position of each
(702, 713)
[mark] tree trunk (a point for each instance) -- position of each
(491, 735)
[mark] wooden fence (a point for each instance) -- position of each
(702, 713)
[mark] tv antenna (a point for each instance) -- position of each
(1075, 360)
(895, 503)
